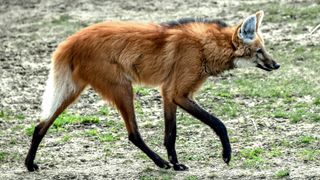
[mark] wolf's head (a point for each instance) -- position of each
(249, 45)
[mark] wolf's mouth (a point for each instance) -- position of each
(264, 67)
(268, 67)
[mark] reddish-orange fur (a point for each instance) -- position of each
(177, 59)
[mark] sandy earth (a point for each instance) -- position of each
(29, 32)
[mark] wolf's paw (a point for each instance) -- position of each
(180, 167)
(226, 156)
(163, 164)
(32, 167)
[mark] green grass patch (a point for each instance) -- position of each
(7, 115)
(4, 114)
(18, 127)
(20, 116)
(138, 108)
(65, 23)
(296, 116)
(3, 156)
(233, 139)
(142, 91)
(315, 117)
(115, 126)
(150, 174)
(29, 130)
(104, 111)
(271, 88)
(227, 108)
(317, 101)
(274, 152)
(285, 143)
(194, 157)
(191, 177)
(306, 139)
(277, 12)
(282, 173)
(161, 177)
(141, 155)
(13, 141)
(91, 133)
(61, 20)
(280, 114)
(223, 92)
(109, 137)
(186, 120)
(108, 151)
(309, 154)
(252, 157)
(65, 119)
(66, 138)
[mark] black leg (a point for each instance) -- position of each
(42, 128)
(170, 135)
(36, 139)
(136, 139)
(195, 110)
(123, 99)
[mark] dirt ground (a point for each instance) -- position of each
(30, 30)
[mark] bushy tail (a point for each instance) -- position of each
(60, 86)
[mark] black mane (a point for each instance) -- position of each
(183, 21)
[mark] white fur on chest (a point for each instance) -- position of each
(244, 63)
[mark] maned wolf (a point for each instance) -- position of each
(177, 57)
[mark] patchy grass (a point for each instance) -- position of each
(287, 87)
(228, 108)
(13, 141)
(104, 110)
(65, 23)
(309, 154)
(274, 152)
(252, 157)
(66, 138)
(4, 114)
(151, 174)
(306, 139)
(142, 91)
(3, 156)
(315, 117)
(18, 127)
(316, 100)
(29, 130)
(61, 20)
(108, 137)
(288, 13)
(191, 177)
(8, 115)
(282, 173)
(66, 119)
(116, 125)
(91, 133)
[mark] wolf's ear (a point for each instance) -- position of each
(247, 30)
(259, 16)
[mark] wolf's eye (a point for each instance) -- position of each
(259, 50)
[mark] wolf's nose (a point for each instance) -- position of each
(276, 66)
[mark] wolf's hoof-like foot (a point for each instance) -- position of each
(226, 156)
(180, 167)
(163, 164)
(32, 167)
